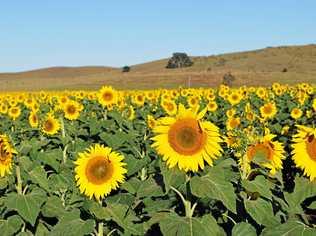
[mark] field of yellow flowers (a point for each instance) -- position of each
(225, 161)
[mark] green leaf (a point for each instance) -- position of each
(38, 175)
(211, 225)
(215, 186)
(260, 185)
(172, 224)
(4, 182)
(312, 205)
(11, 225)
(53, 207)
(303, 189)
(51, 158)
(134, 165)
(244, 228)
(172, 177)
(261, 211)
(149, 188)
(71, 224)
(289, 228)
(28, 206)
(120, 214)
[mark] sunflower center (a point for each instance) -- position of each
(107, 96)
(260, 152)
(99, 170)
(48, 125)
(268, 109)
(311, 147)
(4, 154)
(71, 109)
(186, 137)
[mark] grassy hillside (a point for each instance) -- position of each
(259, 67)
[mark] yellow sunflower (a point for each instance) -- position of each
(234, 98)
(107, 96)
(296, 113)
(14, 112)
(266, 153)
(151, 122)
(304, 150)
(212, 106)
(6, 155)
(314, 104)
(98, 171)
(232, 123)
(187, 141)
(170, 107)
(268, 110)
(51, 125)
(72, 110)
(33, 119)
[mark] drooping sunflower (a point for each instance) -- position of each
(187, 141)
(267, 153)
(33, 119)
(107, 96)
(6, 155)
(304, 150)
(268, 110)
(50, 125)
(98, 171)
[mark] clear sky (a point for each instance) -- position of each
(35, 34)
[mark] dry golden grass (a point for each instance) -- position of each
(260, 67)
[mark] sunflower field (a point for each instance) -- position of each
(186, 161)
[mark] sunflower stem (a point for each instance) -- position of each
(65, 154)
(187, 204)
(19, 180)
(100, 229)
(62, 124)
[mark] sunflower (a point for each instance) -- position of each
(267, 153)
(212, 106)
(232, 123)
(51, 125)
(72, 110)
(304, 150)
(151, 122)
(33, 119)
(98, 171)
(130, 113)
(268, 110)
(234, 98)
(14, 112)
(296, 113)
(170, 107)
(6, 154)
(314, 104)
(107, 96)
(187, 141)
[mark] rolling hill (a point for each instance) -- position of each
(258, 67)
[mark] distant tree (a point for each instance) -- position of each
(126, 69)
(179, 60)
(284, 70)
(228, 79)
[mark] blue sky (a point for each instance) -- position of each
(35, 34)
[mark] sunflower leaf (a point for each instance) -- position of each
(11, 225)
(38, 175)
(260, 184)
(244, 228)
(173, 224)
(215, 186)
(289, 228)
(261, 211)
(28, 206)
(303, 189)
(172, 177)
